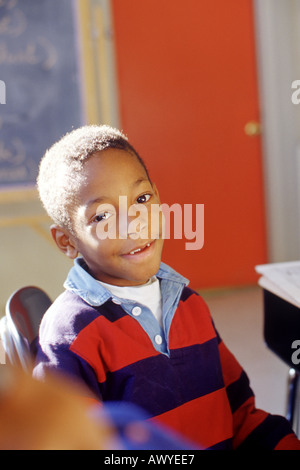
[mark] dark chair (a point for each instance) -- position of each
(281, 328)
(20, 326)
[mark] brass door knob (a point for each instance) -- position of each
(252, 128)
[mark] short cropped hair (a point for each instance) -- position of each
(60, 171)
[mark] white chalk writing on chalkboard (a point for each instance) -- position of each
(41, 52)
(13, 24)
(41, 89)
(8, 3)
(20, 166)
(15, 154)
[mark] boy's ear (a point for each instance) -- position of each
(64, 240)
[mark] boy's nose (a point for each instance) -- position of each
(133, 220)
(138, 222)
(138, 230)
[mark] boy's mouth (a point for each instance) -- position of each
(138, 250)
(141, 250)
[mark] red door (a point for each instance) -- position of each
(188, 86)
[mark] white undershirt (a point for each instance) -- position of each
(148, 294)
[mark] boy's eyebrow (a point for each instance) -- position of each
(99, 199)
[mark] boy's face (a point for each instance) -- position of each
(110, 174)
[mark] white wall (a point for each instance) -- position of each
(27, 253)
(278, 49)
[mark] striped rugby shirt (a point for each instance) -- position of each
(181, 374)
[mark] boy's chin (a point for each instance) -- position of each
(143, 279)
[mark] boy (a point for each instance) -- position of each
(127, 325)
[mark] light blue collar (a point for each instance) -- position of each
(91, 291)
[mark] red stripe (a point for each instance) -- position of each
(191, 324)
(206, 421)
(230, 367)
(110, 346)
(124, 341)
(289, 442)
(245, 420)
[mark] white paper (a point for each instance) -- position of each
(282, 279)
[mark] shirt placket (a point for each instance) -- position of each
(147, 321)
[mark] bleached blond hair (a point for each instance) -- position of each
(60, 171)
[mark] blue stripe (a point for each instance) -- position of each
(239, 391)
(186, 293)
(267, 434)
(223, 445)
(86, 313)
(111, 311)
(159, 384)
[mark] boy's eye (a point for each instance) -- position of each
(143, 198)
(100, 217)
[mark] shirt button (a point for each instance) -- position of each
(136, 311)
(158, 339)
(116, 301)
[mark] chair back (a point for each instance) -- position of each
(24, 311)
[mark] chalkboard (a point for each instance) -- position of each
(40, 84)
